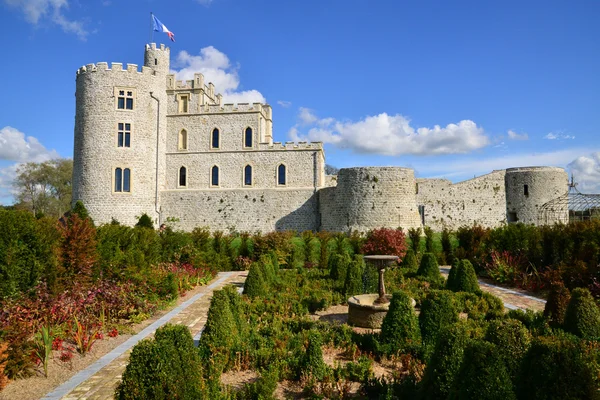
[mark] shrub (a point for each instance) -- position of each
(400, 327)
(445, 361)
(556, 368)
(354, 284)
(409, 262)
(263, 388)
(535, 322)
(429, 268)
(3, 356)
(582, 317)
(437, 312)
(446, 245)
(556, 305)
(338, 266)
(324, 238)
(145, 221)
(220, 331)
(463, 279)
(415, 239)
(513, 340)
(255, 283)
(428, 239)
(312, 362)
(268, 269)
(167, 367)
(384, 241)
(78, 251)
(482, 375)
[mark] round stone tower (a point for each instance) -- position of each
(529, 188)
(120, 137)
(372, 197)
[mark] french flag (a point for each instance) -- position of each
(160, 27)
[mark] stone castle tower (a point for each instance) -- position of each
(147, 143)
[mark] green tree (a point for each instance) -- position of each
(400, 327)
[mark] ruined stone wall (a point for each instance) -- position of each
(249, 210)
(480, 200)
(529, 188)
(368, 198)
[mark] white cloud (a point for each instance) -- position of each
(216, 68)
(586, 171)
(512, 135)
(284, 103)
(391, 135)
(38, 10)
(15, 146)
(558, 136)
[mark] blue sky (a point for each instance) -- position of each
(450, 88)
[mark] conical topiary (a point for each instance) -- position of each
(582, 317)
(220, 331)
(437, 311)
(353, 284)
(463, 279)
(482, 375)
(409, 262)
(513, 339)
(312, 362)
(255, 285)
(400, 327)
(556, 305)
(429, 268)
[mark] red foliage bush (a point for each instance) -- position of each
(66, 356)
(57, 344)
(385, 241)
(3, 356)
(77, 250)
(113, 332)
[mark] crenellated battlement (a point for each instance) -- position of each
(152, 46)
(276, 146)
(239, 107)
(115, 67)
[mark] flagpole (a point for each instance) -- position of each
(151, 28)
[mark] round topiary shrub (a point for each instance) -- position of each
(220, 331)
(437, 312)
(582, 317)
(409, 262)
(145, 221)
(557, 368)
(482, 375)
(429, 268)
(312, 362)
(354, 277)
(255, 282)
(464, 279)
(445, 361)
(400, 327)
(556, 305)
(513, 339)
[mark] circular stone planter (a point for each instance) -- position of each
(365, 313)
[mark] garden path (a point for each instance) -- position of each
(100, 379)
(513, 298)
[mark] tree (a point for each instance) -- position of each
(331, 170)
(45, 188)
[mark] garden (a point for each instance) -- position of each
(67, 286)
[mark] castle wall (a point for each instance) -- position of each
(480, 200)
(543, 184)
(250, 210)
(368, 198)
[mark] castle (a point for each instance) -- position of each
(146, 143)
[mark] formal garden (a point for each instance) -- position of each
(68, 285)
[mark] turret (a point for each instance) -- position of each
(157, 58)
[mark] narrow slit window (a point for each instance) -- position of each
(126, 180)
(281, 172)
(215, 138)
(182, 177)
(526, 190)
(248, 175)
(183, 140)
(214, 176)
(248, 137)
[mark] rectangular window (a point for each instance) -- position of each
(125, 99)
(526, 190)
(124, 135)
(183, 103)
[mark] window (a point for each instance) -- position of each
(248, 137)
(215, 139)
(182, 177)
(512, 217)
(422, 214)
(124, 135)
(183, 140)
(214, 176)
(124, 99)
(248, 175)
(183, 103)
(122, 180)
(526, 190)
(281, 178)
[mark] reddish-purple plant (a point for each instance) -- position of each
(384, 241)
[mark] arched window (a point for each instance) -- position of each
(248, 137)
(281, 171)
(215, 139)
(182, 177)
(214, 176)
(122, 180)
(248, 175)
(183, 140)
